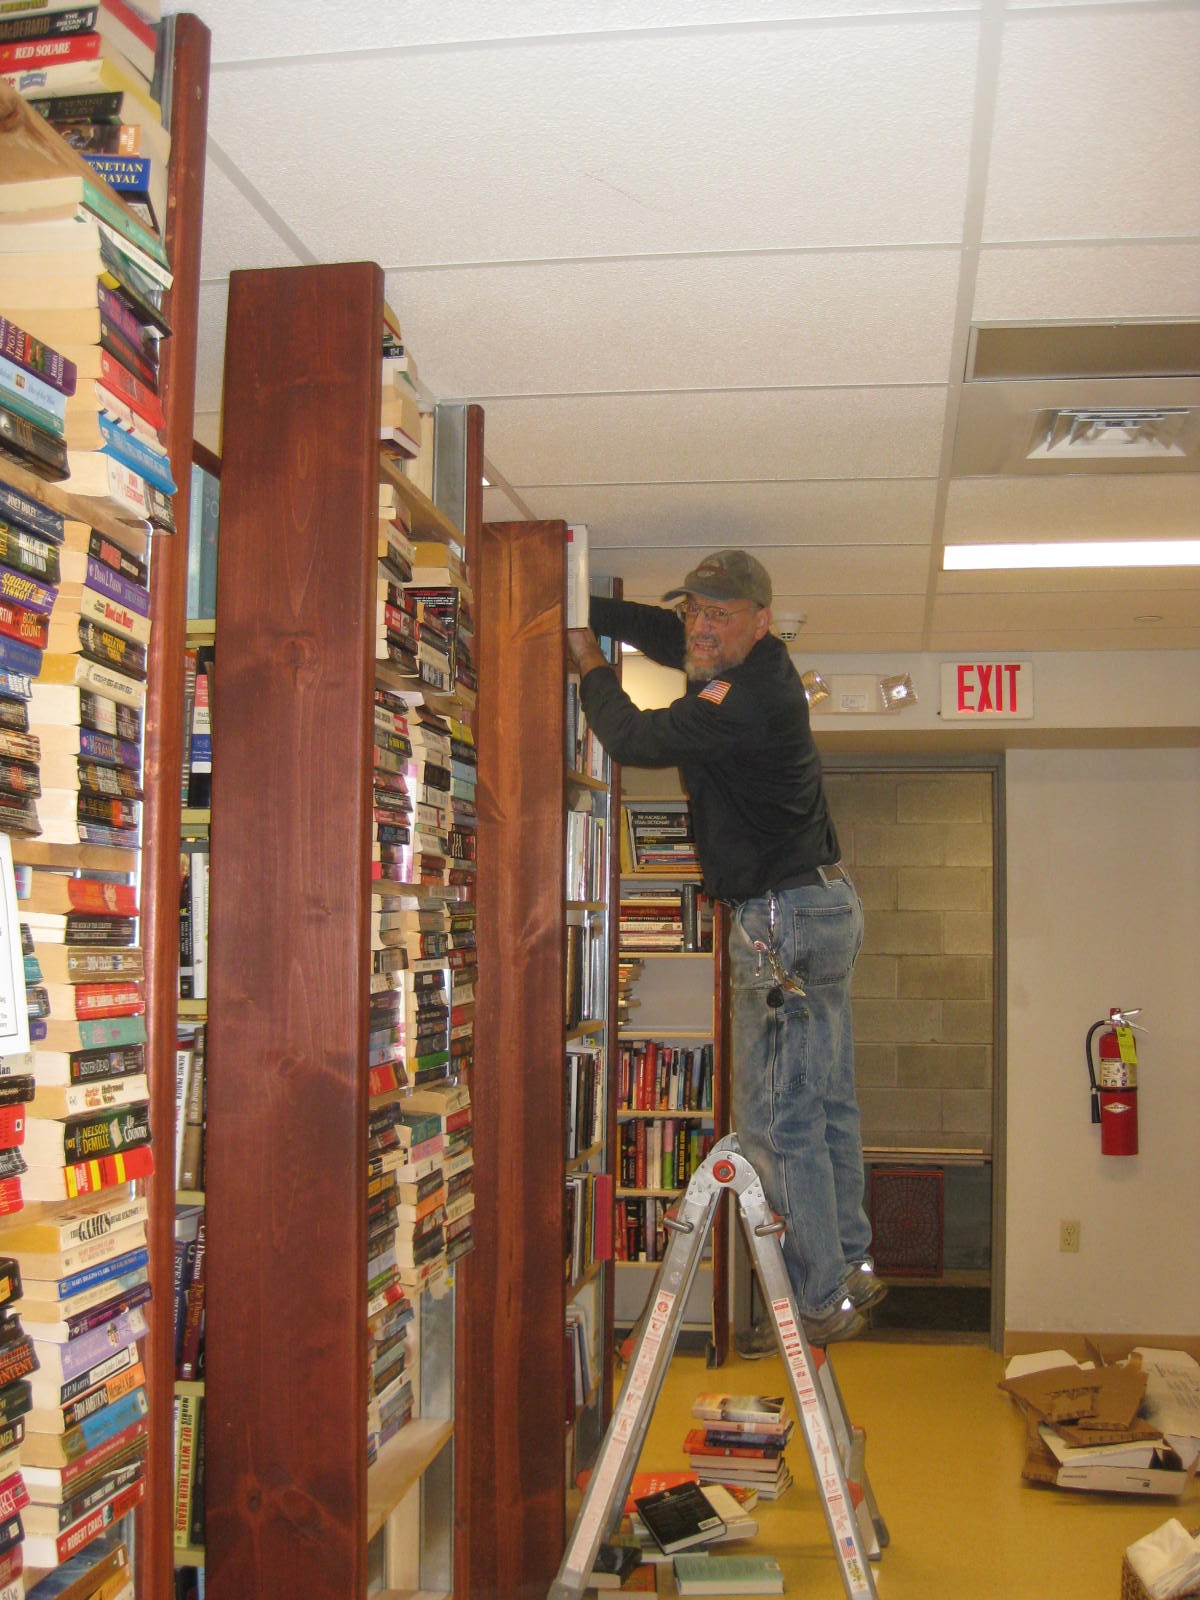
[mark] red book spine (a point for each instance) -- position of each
(131, 390)
(103, 899)
(83, 1532)
(102, 1172)
(12, 1126)
(108, 1000)
(28, 54)
(27, 626)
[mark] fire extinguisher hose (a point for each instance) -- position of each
(1087, 1050)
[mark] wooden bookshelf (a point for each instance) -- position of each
(684, 999)
(291, 1504)
(514, 1363)
(28, 145)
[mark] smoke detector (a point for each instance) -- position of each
(788, 628)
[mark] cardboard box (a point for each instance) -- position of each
(1086, 1415)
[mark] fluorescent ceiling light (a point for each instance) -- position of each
(1101, 553)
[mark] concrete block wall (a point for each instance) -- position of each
(919, 847)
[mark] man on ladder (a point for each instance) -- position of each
(835, 1449)
(768, 847)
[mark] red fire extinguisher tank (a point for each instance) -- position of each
(1115, 1090)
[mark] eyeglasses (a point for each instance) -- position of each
(689, 611)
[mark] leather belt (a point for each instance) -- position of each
(802, 880)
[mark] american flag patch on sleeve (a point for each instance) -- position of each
(715, 691)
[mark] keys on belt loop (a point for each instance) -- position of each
(784, 981)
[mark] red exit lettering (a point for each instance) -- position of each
(988, 686)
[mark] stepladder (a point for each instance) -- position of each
(836, 1450)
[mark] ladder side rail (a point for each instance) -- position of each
(762, 1236)
(608, 1486)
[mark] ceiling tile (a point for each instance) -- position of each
(1088, 282)
(234, 233)
(708, 516)
(1081, 146)
(629, 144)
(663, 438)
(244, 32)
(701, 322)
(863, 572)
(210, 344)
(1115, 608)
(1102, 506)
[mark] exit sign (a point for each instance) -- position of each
(983, 691)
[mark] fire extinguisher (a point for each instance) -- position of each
(1114, 1087)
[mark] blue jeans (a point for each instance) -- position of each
(794, 1106)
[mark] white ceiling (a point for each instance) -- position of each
(711, 268)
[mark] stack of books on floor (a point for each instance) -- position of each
(673, 1520)
(741, 1442)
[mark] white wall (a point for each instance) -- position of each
(1103, 910)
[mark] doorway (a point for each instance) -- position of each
(923, 839)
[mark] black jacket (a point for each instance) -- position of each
(744, 746)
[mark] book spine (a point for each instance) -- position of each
(31, 514)
(37, 357)
(115, 586)
(137, 396)
(92, 1348)
(19, 383)
(29, 54)
(131, 452)
(18, 588)
(31, 557)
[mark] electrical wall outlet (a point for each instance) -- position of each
(1068, 1235)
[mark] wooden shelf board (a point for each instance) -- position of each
(649, 1194)
(427, 520)
(665, 955)
(912, 1155)
(625, 1114)
(584, 1156)
(705, 1264)
(192, 1010)
(189, 1197)
(704, 1034)
(580, 780)
(589, 1275)
(78, 508)
(190, 1555)
(400, 1465)
(583, 1030)
(200, 630)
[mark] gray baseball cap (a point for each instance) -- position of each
(728, 575)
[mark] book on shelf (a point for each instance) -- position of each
(49, 1550)
(90, 1575)
(718, 1574)
(679, 1517)
(77, 1178)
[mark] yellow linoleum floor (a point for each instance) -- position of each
(944, 1450)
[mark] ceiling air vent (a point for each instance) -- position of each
(1124, 433)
